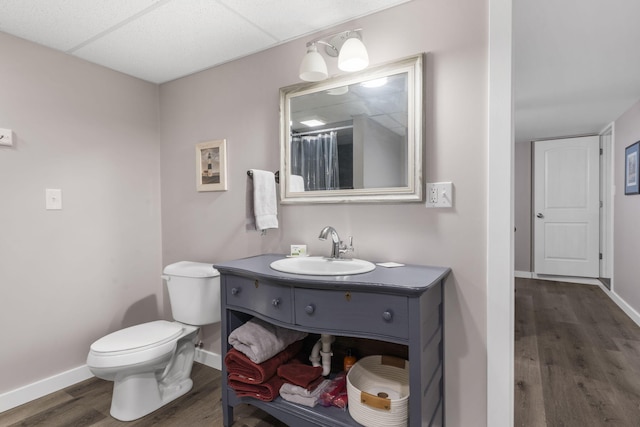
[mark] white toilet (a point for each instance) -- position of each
(150, 364)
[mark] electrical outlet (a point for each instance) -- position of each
(439, 195)
(433, 194)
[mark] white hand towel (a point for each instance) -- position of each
(296, 184)
(265, 203)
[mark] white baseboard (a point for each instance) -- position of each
(22, 395)
(629, 311)
(33, 391)
(212, 360)
(523, 274)
(568, 279)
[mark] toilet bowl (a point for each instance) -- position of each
(150, 364)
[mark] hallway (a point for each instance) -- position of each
(577, 357)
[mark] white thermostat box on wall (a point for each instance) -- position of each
(6, 137)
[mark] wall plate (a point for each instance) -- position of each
(439, 195)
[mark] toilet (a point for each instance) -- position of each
(150, 364)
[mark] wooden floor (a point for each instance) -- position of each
(577, 364)
(577, 357)
(87, 404)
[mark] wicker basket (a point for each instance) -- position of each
(378, 390)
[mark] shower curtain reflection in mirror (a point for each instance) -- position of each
(315, 159)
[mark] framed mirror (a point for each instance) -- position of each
(355, 137)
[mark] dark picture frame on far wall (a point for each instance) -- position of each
(631, 171)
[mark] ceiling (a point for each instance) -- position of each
(576, 63)
(161, 40)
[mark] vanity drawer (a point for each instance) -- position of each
(260, 296)
(353, 311)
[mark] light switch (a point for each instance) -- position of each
(439, 195)
(53, 199)
(6, 137)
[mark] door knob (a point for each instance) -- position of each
(539, 215)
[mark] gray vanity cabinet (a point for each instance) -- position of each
(402, 305)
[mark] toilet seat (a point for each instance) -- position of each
(136, 344)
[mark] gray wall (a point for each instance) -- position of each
(239, 101)
(626, 234)
(522, 206)
(69, 277)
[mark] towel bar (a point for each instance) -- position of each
(277, 175)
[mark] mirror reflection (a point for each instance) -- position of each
(354, 137)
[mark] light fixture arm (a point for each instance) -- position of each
(335, 51)
(335, 41)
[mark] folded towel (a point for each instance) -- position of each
(298, 373)
(311, 400)
(301, 391)
(260, 340)
(266, 391)
(242, 369)
(265, 204)
(296, 184)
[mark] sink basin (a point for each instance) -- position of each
(321, 266)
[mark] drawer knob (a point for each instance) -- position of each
(235, 291)
(275, 302)
(310, 309)
(387, 315)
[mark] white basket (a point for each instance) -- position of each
(378, 391)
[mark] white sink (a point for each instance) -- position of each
(321, 266)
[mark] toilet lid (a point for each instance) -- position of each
(137, 337)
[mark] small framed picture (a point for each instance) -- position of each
(211, 165)
(631, 172)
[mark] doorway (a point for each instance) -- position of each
(566, 206)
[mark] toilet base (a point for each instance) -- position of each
(139, 395)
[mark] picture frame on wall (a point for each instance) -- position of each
(211, 165)
(631, 169)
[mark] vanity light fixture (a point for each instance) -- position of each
(347, 46)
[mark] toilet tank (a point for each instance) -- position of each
(194, 292)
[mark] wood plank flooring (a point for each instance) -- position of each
(577, 364)
(577, 357)
(87, 404)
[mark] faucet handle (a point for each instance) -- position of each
(344, 248)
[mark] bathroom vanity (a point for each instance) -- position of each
(400, 306)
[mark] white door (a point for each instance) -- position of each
(566, 206)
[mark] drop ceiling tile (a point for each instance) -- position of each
(64, 24)
(177, 38)
(304, 16)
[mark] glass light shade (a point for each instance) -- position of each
(353, 56)
(313, 68)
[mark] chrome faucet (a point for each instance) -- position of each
(337, 248)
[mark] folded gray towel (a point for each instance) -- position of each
(295, 394)
(260, 341)
(289, 388)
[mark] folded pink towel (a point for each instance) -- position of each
(266, 391)
(241, 368)
(298, 373)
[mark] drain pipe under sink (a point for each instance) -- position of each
(322, 349)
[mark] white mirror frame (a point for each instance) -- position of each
(413, 192)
